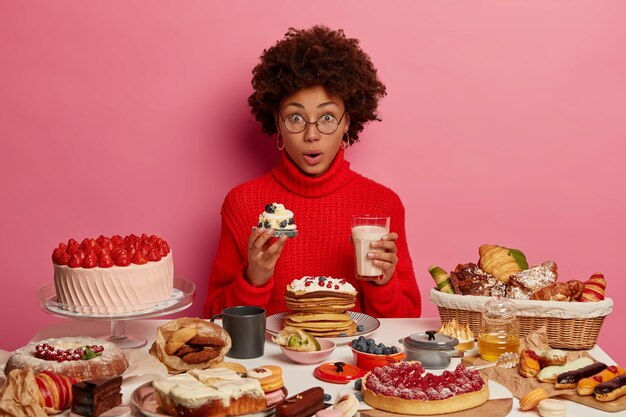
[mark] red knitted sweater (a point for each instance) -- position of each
(323, 208)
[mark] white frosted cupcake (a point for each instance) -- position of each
(277, 217)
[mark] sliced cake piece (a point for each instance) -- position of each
(92, 398)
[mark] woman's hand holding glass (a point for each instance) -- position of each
(385, 260)
(263, 253)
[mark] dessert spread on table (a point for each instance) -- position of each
(84, 374)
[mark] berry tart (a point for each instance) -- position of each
(79, 358)
(277, 217)
(113, 275)
(405, 388)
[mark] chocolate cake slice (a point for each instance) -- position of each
(92, 398)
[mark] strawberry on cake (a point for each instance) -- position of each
(405, 388)
(113, 275)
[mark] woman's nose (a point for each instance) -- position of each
(311, 134)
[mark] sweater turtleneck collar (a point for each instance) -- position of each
(291, 177)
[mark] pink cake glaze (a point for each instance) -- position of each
(118, 289)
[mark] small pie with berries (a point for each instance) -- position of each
(82, 358)
(113, 275)
(406, 388)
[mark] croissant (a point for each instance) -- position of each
(501, 262)
(560, 291)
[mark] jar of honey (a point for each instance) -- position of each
(498, 329)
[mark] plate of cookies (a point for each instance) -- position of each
(340, 328)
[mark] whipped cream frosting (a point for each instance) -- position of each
(192, 395)
(198, 386)
(207, 375)
(279, 215)
(313, 284)
(238, 388)
(118, 289)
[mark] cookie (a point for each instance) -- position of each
(179, 338)
(203, 340)
(185, 349)
(204, 355)
(270, 377)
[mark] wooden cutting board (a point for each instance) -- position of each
(590, 401)
(492, 408)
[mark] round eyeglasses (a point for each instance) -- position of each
(326, 124)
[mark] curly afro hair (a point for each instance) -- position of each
(316, 56)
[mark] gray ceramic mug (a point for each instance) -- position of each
(246, 327)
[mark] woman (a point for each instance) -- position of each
(314, 89)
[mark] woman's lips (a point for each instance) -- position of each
(313, 158)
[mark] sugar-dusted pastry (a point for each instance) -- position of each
(469, 279)
(442, 279)
(586, 385)
(560, 291)
(463, 333)
(523, 284)
(594, 288)
(501, 262)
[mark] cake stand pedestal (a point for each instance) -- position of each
(182, 297)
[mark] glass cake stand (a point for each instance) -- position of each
(182, 296)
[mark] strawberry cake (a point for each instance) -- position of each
(405, 388)
(80, 358)
(113, 275)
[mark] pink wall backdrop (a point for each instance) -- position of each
(504, 124)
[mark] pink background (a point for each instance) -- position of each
(504, 124)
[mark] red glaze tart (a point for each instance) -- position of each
(406, 388)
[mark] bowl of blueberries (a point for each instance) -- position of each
(368, 354)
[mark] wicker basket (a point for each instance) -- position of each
(569, 325)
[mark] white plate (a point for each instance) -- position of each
(145, 401)
(274, 324)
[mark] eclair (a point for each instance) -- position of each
(550, 373)
(586, 385)
(304, 404)
(611, 390)
(570, 379)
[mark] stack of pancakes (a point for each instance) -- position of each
(319, 305)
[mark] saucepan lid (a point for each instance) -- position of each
(430, 339)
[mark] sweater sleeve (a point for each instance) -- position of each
(227, 286)
(400, 297)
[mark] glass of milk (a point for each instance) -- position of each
(365, 230)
